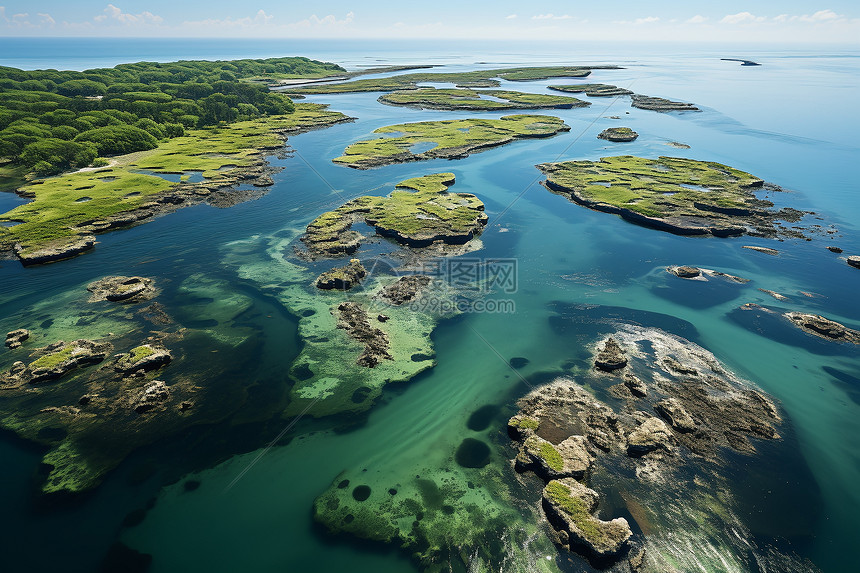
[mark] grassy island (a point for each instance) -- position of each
(419, 212)
(449, 139)
(477, 100)
(682, 196)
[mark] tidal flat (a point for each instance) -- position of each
(317, 361)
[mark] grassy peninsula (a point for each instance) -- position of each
(94, 149)
(477, 100)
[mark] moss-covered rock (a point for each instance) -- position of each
(570, 506)
(342, 278)
(143, 357)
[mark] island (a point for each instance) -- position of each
(618, 134)
(477, 100)
(677, 195)
(637, 100)
(446, 139)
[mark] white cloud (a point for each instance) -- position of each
(45, 19)
(114, 14)
(551, 17)
(646, 20)
(511, 17)
(821, 16)
(741, 18)
(697, 19)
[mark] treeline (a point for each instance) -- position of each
(53, 120)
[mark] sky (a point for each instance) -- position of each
(811, 21)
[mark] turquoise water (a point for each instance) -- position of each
(790, 121)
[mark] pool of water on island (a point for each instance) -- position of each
(565, 254)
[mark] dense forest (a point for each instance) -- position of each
(51, 121)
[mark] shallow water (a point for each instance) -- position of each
(789, 121)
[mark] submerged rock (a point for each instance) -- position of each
(342, 278)
(354, 320)
(153, 395)
(122, 289)
(610, 357)
(569, 507)
(404, 289)
(16, 338)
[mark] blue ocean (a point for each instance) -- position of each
(792, 121)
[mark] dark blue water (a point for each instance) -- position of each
(790, 121)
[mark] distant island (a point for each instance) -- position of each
(743, 62)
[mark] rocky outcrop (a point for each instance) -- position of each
(673, 412)
(144, 357)
(404, 289)
(60, 358)
(16, 338)
(610, 357)
(684, 272)
(824, 327)
(660, 104)
(854, 261)
(618, 134)
(354, 320)
(652, 434)
(56, 251)
(570, 458)
(569, 507)
(342, 278)
(122, 289)
(154, 395)
(636, 386)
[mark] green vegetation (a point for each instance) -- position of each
(428, 213)
(684, 196)
(466, 99)
(576, 510)
(546, 452)
(475, 79)
(138, 353)
(452, 139)
(53, 359)
(51, 121)
(524, 423)
(76, 204)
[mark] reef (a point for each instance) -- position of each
(447, 139)
(122, 289)
(618, 134)
(680, 196)
(477, 100)
(669, 410)
(354, 320)
(687, 272)
(417, 213)
(89, 407)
